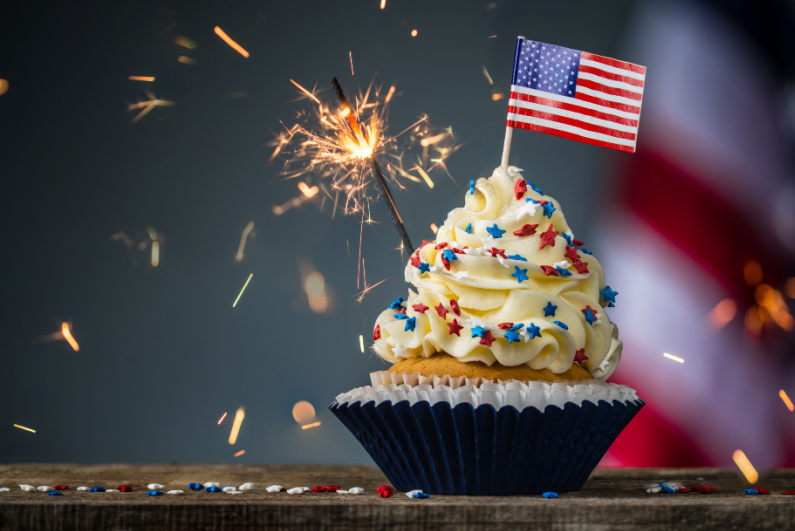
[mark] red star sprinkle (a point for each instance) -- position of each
(402, 310)
(595, 314)
(455, 328)
(61, 487)
(789, 492)
(446, 264)
(385, 491)
(377, 332)
(543, 202)
(441, 310)
(580, 356)
(332, 488)
(415, 259)
(124, 488)
(487, 339)
(319, 489)
(684, 490)
(527, 230)
(419, 307)
(549, 237)
(494, 252)
(519, 188)
(505, 326)
(454, 306)
(761, 490)
(458, 251)
(549, 270)
(703, 488)
(572, 254)
(578, 243)
(581, 267)
(441, 246)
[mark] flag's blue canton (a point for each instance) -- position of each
(547, 67)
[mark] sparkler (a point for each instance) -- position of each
(240, 414)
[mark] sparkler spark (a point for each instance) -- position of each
(243, 237)
(413, 33)
(185, 42)
(148, 105)
(787, 401)
(240, 414)
(488, 77)
(383, 4)
(24, 428)
(350, 55)
(222, 418)
(745, 466)
(184, 59)
(66, 330)
(228, 40)
(722, 314)
(672, 357)
(242, 290)
(313, 425)
(142, 78)
(238, 454)
(3, 86)
(361, 343)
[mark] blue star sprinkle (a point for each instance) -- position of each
(549, 208)
(752, 492)
(194, 486)
(534, 331)
(550, 494)
(155, 493)
(561, 324)
(520, 274)
(567, 236)
(517, 326)
(421, 495)
(549, 309)
(666, 487)
(424, 267)
(55, 493)
(589, 317)
(586, 251)
(517, 257)
(213, 489)
(401, 316)
(469, 229)
(410, 324)
(534, 187)
(472, 186)
(563, 272)
(478, 331)
(449, 255)
(495, 231)
(97, 489)
(397, 303)
(609, 296)
(511, 336)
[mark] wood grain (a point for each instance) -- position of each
(611, 499)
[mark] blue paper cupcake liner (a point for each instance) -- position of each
(462, 449)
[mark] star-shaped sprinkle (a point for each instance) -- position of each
(586, 251)
(396, 303)
(495, 232)
(609, 296)
(517, 257)
(410, 322)
(479, 331)
(424, 267)
(377, 332)
(449, 255)
(549, 208)
(472, 186)
(533, 330)
(548, 237)
(415, 259)
(561, 324)
(520, 274)
(401, 316)
(469, 229)
(460, 275)
(566, 236)
(455, 328)
(505, 326)
(581, 267)
(549, 270)
(421, 308)
(528, 209)
(590, 315)
(572, 254)
(402, 309)
(454, 307)
(512, 337)
(517, 326)
(526, 230)
(563, 272)
(580, 356)
(494, 252)
(578, 243)
(519, 188)
(440, 245)
(487, 339)
(441, 310)
(534, 187)
(399, 352)
(458, 251)
(549, 309)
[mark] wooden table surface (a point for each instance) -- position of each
(611, 499)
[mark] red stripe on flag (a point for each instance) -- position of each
(614, 63)
(573, 122)
(570, 136)
(614, 77)
(607, 103)
(573, 108)
(593, 85)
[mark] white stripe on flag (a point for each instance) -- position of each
(586, 104)
(570, 129)
(573, 115)
(608, 97)
(612, 69)
(610, 83)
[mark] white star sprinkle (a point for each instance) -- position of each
(529, 209)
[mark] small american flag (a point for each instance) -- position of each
(576, 95)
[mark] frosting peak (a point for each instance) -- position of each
(505, 281)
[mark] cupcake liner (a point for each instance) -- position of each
(495, 439)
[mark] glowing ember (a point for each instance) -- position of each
(787, 401)
(497, 96)
(148, 105)
(752, 271)
(722, 314)
(303, 412)
(155, 253)
(315, 288)
(184, 59)
(228, 40)
(243, 237)
(434, 228)
(313, 425)
(241, 452)
(307, 191)
(222, 418)
(141, 78)
(24, 428)
(239, 416)
(66, 330)
(488, 77)
(185, 42)
(745, 466)
(3, 86)
(672, 357)
(383, 4)
(242, 290)
(413, 33)
(361, 343)
(350, 55)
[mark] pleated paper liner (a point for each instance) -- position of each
(491, 439)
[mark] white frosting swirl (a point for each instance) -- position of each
(511, 285)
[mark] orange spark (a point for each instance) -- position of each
(425, 176)
(240, 414)
(497, 96)
(222, 418)
(184, 59)
(24, 428)
(307, 191)
(243, 237)
(383, 4)
(228, 40)
(302, 89)
(389, 94)
(185, 42)
(241, 452)
(3, 86)
(752, 271)
(350, 55)
(433, 140)
(313, 425)
(722, 314)
(787, 401)
(67, 335)
(141, 78)
(434, 228)
(745, 466)
(488, 76)
(155, 253)
(789, 287)
(413, 33)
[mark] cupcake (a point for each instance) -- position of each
(499, 358)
